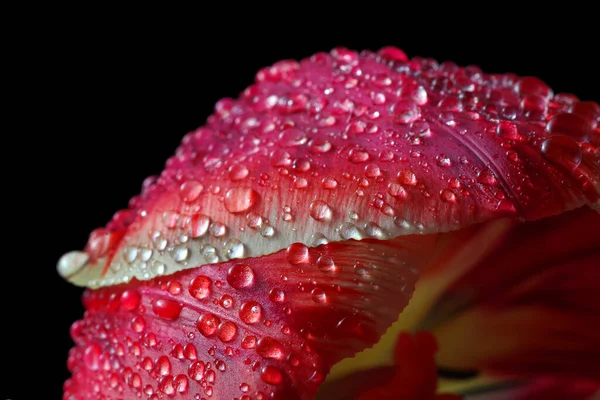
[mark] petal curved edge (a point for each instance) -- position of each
(342, 146)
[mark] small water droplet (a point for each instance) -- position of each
(508, 130)
(196, 370)
(159, 241)
(448, 195)
(157, 268)
(318, 239)
(181, 253)
(406, 111)
(372, 171)
(249, 342)
(267, 231)
(487, 177)
(254, 221)
(358, 155)
(170, 219)
(329, 183)
(319, 145)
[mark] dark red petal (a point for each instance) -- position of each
(528, 307)
(272, 325)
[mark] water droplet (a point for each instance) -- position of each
(277, 295)
(406, 111)
(157, 268)
(358, 155)
(227, 331)
(130, 299)
(448, 195)
(320, 210)
(238, 172)
(199, 225)
(240, 199)
(71, 262)
(268, 347)
(292, 137)
(407, 177)
(570, 124)
(196, 370)
(207, 324)
(163, 366)
(297, 253)
(240, 276)
(130, 254)
(91, 357)
(372, 171)
(374, 230)
(170, 219)
(249, 342)
(254, 221)
(319, 296)
(444, 161)
(487, 177)
(562, 150)
(397, 190)
(167, 309)
(190, 191)
(329, 183)
(271, 375)
(174, 287)
(349, 231)
(181, 384)
(326, 264)
(209, 253)
(144, 254)
(233, 248)
(200, 287)
(181, 253)
(508, 130)
(267, 231)
(318, 239)
(319, 145)
(159, 241)
(217, 229)
(251, 312)
(420, 129)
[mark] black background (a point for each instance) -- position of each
(104, 104)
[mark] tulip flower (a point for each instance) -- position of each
(355, 226)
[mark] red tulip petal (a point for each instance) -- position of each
(272, 325)
(344, 146)
(530, 306)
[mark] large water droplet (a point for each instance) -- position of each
(199, 225)
(233, 248)
(238, 172)
(326, 264)
(562, 150)
(200, 287)
(269, 347)
(251, 312)
(240, 276)
(189, 191)
(271, 375)
(227, 331)
(207, 324)
(240, 199)
(297, 253)
(167, 309)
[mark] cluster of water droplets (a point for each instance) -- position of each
(346, 146)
